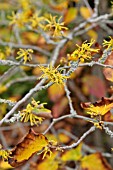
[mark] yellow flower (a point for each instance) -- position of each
(16, 19)
(4, 153)
(109, 44)
(36, 20)
(28, 115)
(98, 110)
(53, 74)
(83, 52)
(46, 151)
(26, 54)
(20, 18)
(32, 113)
(55, 26)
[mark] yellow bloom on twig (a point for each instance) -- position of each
(53, 74)
(26, 54)
(109, 44)
(33, 112)
(20, 18)
(54, 25)
(28, 115)
(83, 52)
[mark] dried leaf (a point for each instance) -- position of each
(59, 107)
(108, 72)
(31, 144)
(100, 107)
(108, 117)
(93, 85)
(95, 162)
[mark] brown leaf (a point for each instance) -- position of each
(108, 117)
(45, 115)
(93, 85)
(31, 144)
(59, 107)
(103, 101)
(108, 72)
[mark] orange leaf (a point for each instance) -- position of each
(95, 162)
(31, 144)
(55, 92)
(84, 11)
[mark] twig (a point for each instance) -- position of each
(95, 63)
(15, 63)
(20, 80)
(92, 129)
(25, 98)
(11, 71)
(72, 111)
(96, 2)
(9, 102)
(25, 47)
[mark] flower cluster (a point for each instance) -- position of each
(53, 74)
(26, 17)
(109, 44)
(31, 113)
(26, 54)
(54, 25)
(83, 52)
(34, 19)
